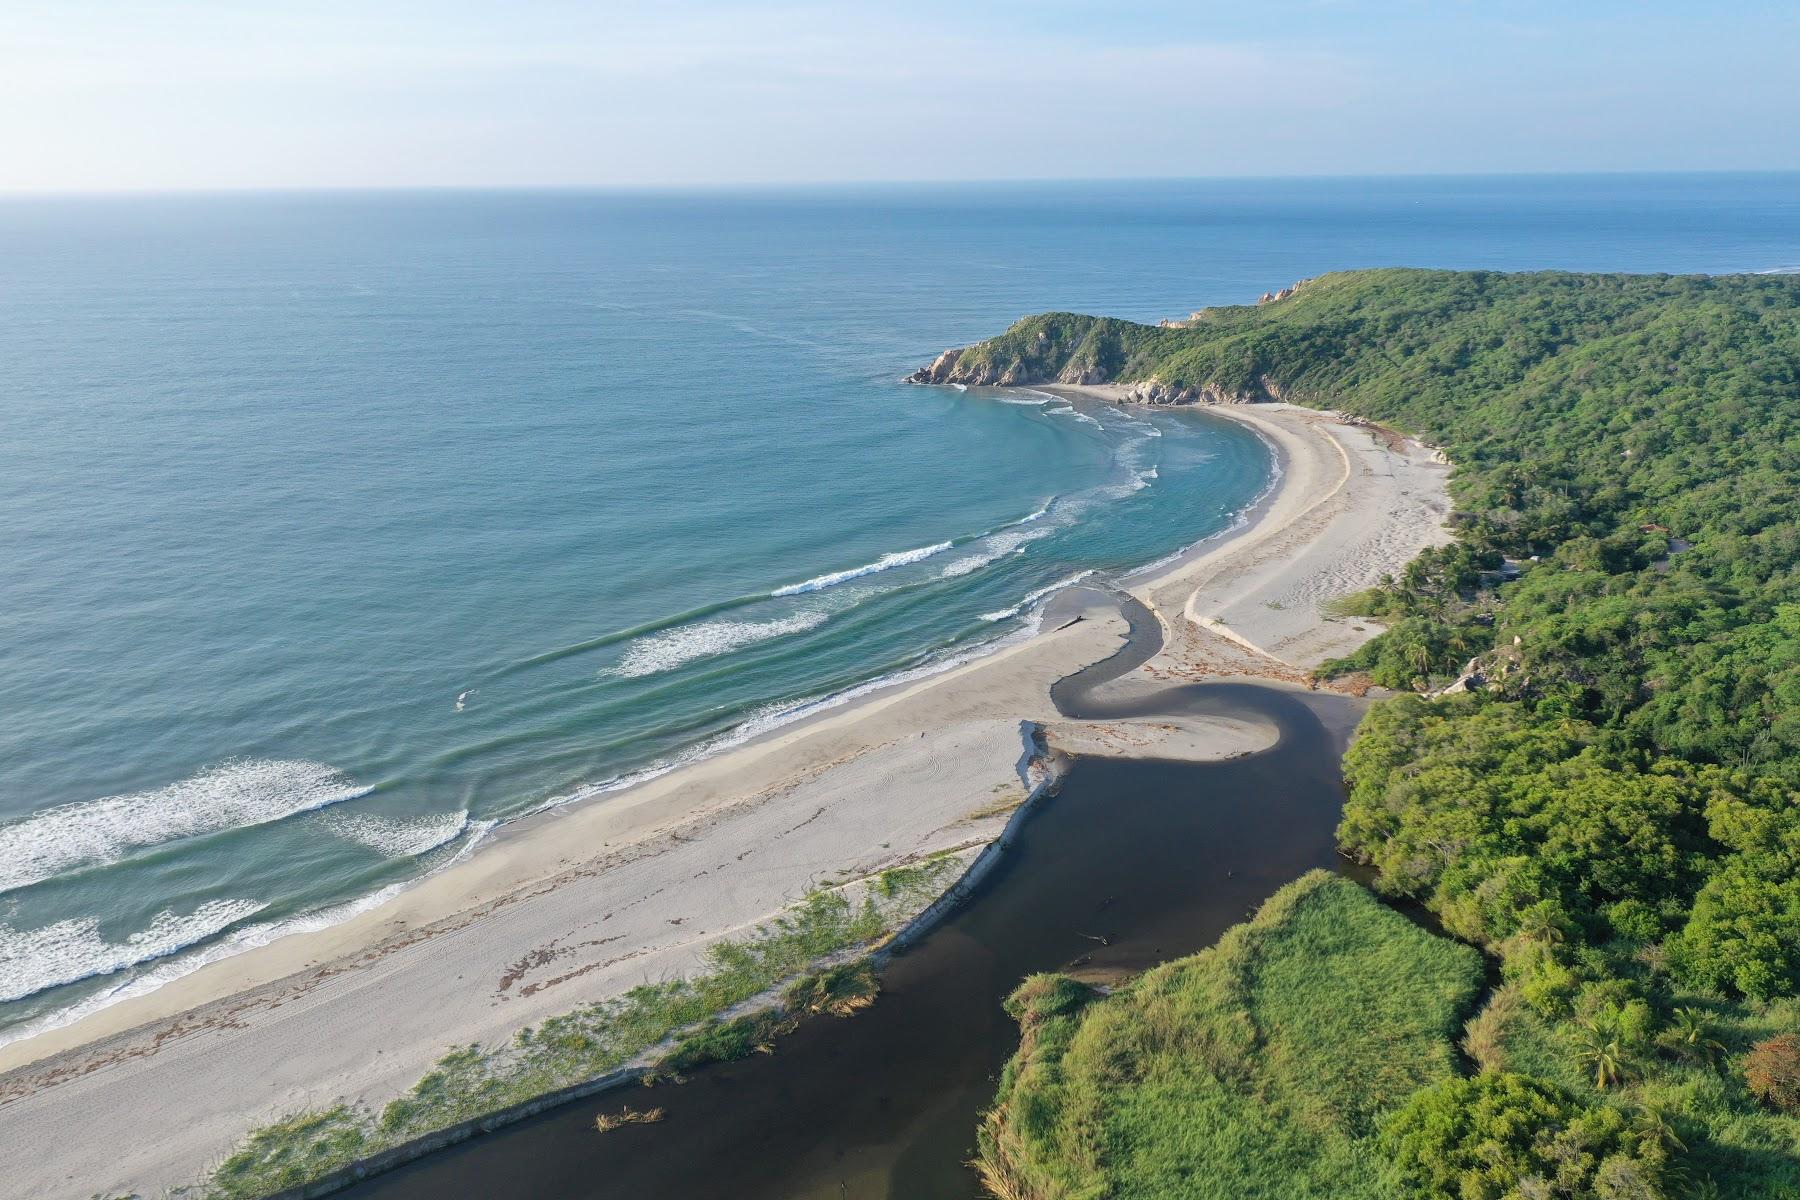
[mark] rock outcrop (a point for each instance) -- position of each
(941, 370)
(950, 368)
(1154, 391)
(1283, 294)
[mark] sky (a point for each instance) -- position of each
(109, 95)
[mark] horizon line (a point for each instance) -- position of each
(8, 193)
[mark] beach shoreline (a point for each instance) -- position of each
(900, 772)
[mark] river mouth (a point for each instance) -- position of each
(1134, 862)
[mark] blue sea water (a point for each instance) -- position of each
(341, 527)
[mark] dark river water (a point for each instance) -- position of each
(1132, 863)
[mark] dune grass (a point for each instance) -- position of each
(1259, 1067)
(474, 1080)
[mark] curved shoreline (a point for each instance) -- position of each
(883, 1105)
(287, 1025)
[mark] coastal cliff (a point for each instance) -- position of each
(1070, 348)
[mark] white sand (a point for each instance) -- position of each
(582, 904)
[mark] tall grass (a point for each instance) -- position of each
(1259, 1067)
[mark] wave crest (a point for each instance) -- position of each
(398, 837)
(34, 960)
(1033, 597)
(234, 794)
(666, 651)
(886, 562)
(997, 546)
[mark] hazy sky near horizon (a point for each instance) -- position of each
(117, 94)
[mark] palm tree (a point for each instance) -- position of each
(1537, 923)
(1652, 1127)
(1418, 657)
(1601, 1052)
(1690, 1036)
(1414, 579)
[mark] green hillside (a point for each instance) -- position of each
(1612, 812)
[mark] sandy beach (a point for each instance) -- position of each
(584, 903)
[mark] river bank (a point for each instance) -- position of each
(586, 903)
(1132, 862)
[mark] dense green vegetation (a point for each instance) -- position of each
(1613, 810)
(1673, 1064)
(1260, 1067)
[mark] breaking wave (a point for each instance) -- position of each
(1033, 597)
(996, 547)
(232, 795)
(1077, 414)
(175, 965)
(398, 837)
(886, 562)
(666, 651)
(33, 960)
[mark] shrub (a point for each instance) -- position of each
(840, 990)
(1507, 1135)
(1772, 1072)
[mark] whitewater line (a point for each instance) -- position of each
(886, 562)
(235, 794)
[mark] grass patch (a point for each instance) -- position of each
(840, 990)
(725, 1041)
(1371, 602)
(1259, 1067)
(474, 1080)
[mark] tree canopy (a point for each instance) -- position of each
(1613, 810)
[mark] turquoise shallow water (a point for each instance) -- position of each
(342, 527)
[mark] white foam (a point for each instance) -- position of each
(1077, 414)
(968, 566)
(36, 959)
(683, 644)
(397, 837)
(886, 562)
(1239, 520)
(1034, 597)
(247, 938)
(774, 716)
(234, 794)
(1028, 401)
(995, 547)
(1118, 491)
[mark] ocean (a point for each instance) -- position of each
(340, 528)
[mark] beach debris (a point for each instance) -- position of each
(607, 1122)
